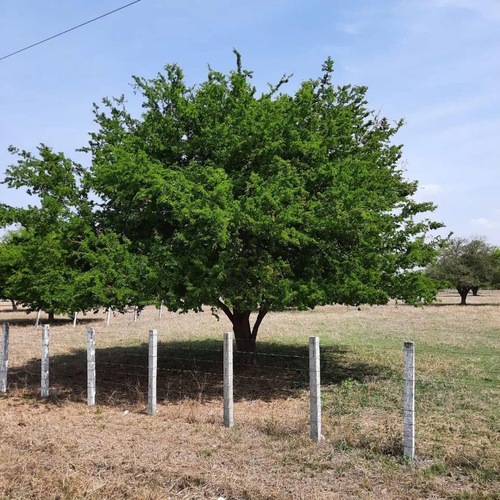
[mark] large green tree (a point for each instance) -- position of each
(258, 203)
(465, 264)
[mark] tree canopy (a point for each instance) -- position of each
(59, 260)
(250, 202)
(9, 260)
(496, 268)
(219, 196)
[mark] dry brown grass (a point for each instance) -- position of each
(60, 448)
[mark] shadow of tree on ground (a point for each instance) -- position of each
(190, 370)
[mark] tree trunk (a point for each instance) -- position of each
(51, 315)
(463, 291)
(14, 304)
(474, 290)
(244, 334)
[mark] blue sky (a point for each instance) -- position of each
(433, 62)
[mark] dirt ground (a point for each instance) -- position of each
(59, 447)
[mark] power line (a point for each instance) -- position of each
(68, 30)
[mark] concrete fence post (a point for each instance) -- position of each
(314, 389)
(409, 401)
(91, 375)
(152, 371)
(108, 316)
(44, 385)
(75, 319)
(4, 357)
(228, 380)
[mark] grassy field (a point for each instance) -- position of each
(60, 448)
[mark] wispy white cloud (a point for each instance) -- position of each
(485, 223)
(428, 192)
(450, 109)
(488, 226)
(349, 28)
(431, 188)
(489, 9)
(479, 135)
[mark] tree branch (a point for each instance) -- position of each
(262, 312)
(273, 89)
(226, 309)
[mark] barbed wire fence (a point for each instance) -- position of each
(153, 368)
(138, 370)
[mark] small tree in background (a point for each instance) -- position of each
(465, 264)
